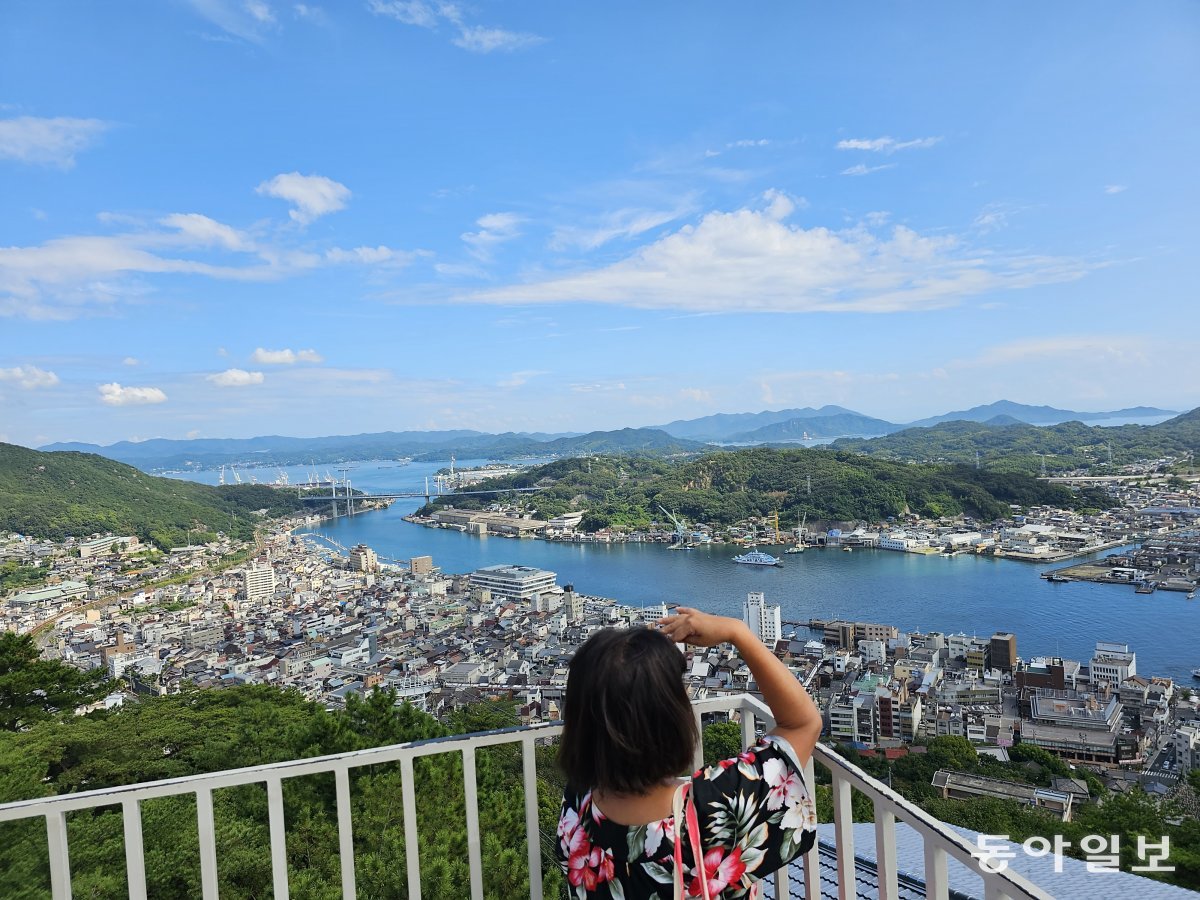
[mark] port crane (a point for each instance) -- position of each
(680, 526)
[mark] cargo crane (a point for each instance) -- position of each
(681, 531)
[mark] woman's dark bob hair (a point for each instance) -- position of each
(627, 722)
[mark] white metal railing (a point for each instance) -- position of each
(941, 842)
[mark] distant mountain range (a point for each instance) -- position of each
(275, 450)
(837, 421)
(681, 436)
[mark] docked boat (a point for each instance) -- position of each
(847, 549)
(1196, 673)
(799, 548)
(1146, 587)
(757, 558)
(1058, 579)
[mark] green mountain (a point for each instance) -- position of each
(1041, 415)
(831, 426)
(160, 454)
(1020, 447)
(727, 487)
(55, 495)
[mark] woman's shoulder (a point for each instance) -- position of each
(770, 757)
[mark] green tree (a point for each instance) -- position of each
(32, 688)
(722, 740)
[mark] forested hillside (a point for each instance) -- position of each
(723, 488)
(206, 731)
(1019, 447)
(55, 495)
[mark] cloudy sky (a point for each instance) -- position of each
(240, 217)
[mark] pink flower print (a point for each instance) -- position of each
(654, 834)
(579, 853)
(721, 871)
(785, 785)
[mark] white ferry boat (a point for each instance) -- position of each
(757, 558)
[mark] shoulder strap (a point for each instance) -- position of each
(677, 802)
(693, 826)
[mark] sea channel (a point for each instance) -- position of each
(968, 593)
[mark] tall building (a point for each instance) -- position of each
(762, 619)
(258, 583)
(572, 604)
(1004, 651)
(363, 559)
(1112, 662)
(840, 634)
(421, 565)
(520, 583)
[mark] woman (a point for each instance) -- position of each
(628, 732)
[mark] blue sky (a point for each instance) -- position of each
(240, 217)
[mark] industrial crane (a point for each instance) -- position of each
(680, 527)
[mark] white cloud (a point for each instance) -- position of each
(260, 11)
(494, 229)
(479, 39)
(312, 195)
(1115, 188)
(861, 169)
(622, 223)
(887, 144)
(761, 142)
(310, 12)
(29, 377)
(202, 230)
(754, 260)
(47, 141)
(475, 38)
(115, 395)
(65, 276)
(285, 357)
(369, 255)
(1111, 349)
(235, 378)
(245, 19)
(130, 361)
(518, 379)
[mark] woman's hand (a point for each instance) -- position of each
(701, 629)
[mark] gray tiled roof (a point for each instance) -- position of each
(1074, 882)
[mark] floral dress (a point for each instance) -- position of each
(755, 813)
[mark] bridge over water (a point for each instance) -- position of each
(342, 495)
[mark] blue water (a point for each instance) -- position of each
(977, 595)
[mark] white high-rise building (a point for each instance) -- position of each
(1112, 662)
(258, 583)
(763, 620)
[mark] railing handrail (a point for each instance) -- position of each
(290, 768)
(939, 839)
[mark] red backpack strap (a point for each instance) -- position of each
(693, 826)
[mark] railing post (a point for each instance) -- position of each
(471, 799)
(135, 854)
(412, 852)
(843, 827)
(885, 850)
(529, 768)
(208, 843)
(812, 864)
(279, 867)
(748, 728)
(60, 856)
(937, 879)
(345, 832)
